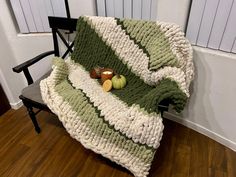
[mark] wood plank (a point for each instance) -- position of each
(231, 161)
(207, 22)
(181, 161)
(183, 152)
(219, 24)
(199, 155)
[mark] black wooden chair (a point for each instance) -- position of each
(31, 96)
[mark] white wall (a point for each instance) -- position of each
(7, 78)
(211, 109)
(16, 48)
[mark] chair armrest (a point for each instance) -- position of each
(30, 62)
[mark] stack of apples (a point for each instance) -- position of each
(108, 78)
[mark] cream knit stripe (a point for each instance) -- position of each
(131, 54)
(181, 47)
(82, 133)
(89, 115)
(132, 121)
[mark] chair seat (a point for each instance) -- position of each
(32, 91)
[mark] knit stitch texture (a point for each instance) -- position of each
(123, 125)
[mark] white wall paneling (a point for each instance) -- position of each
(195, 19)
(207, 22)
(32, 15)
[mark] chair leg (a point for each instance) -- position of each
(33, 118)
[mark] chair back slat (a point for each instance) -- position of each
(62, 23)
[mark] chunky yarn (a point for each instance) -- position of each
(123, 125)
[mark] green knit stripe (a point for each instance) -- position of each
(62, 69)
(90, 116)
(91, 50)
(167, 89)
(152, 40)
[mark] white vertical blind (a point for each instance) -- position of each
(16, 6)
(146, 9)
(101, 8)
(58, 7)
(207, 22)
(128, 9)
(110, 12)
(195, 20)
(228, 39)
(28, 15)
(44, 15)
(48, 5)
(153, 10)
(118, 4)
(32, 15)
(220, 21)
(34, 6)
(137, 9)
(212, 24)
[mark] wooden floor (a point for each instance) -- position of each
(53, 153)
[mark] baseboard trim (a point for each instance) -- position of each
(16, 105)
(203, 130)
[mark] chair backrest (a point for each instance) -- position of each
(62, 23)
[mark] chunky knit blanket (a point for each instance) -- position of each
(123, 125)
